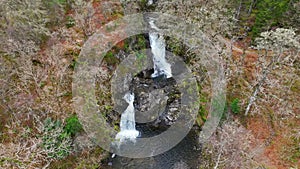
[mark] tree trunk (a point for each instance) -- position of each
(237, 16)
(251, 7)
(266, 71)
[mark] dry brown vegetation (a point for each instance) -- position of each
(36, 81)
(36, 71)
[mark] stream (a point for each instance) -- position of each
(185, 155)
(154, 103)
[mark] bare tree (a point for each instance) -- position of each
(84, 12)
(277, 47)
(230, 147)
(251, 7)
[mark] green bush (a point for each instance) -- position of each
(73, 125)
(56, 143)
(70, 22)
(235, 107)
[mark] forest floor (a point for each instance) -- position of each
(274, 136)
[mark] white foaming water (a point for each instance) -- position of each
(150, 2)
(127, 125)
(158, 49)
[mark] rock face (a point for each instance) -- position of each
(82, 142)
(157, 101)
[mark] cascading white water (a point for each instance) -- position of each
(161, 67)
(127, 124)
(158, 49)
(150, 2)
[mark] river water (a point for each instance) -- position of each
(185, 155)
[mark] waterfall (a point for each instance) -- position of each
(161, 67)
(127, 124)
(150, 2)
(158, 49)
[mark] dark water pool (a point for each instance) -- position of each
(184, 155)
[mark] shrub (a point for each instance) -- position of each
(70, 22)
(235, 107)
(110, 58)
(73, 125)
(56, 143)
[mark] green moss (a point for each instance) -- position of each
(140, 60)
(296, 86)
(117, 127)
(110, 58)
(141, 41)
(126, 46)
(202, 113)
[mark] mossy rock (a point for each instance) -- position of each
(296, 86)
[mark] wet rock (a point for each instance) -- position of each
(121, 55)
(157, 100)
(82, 142)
